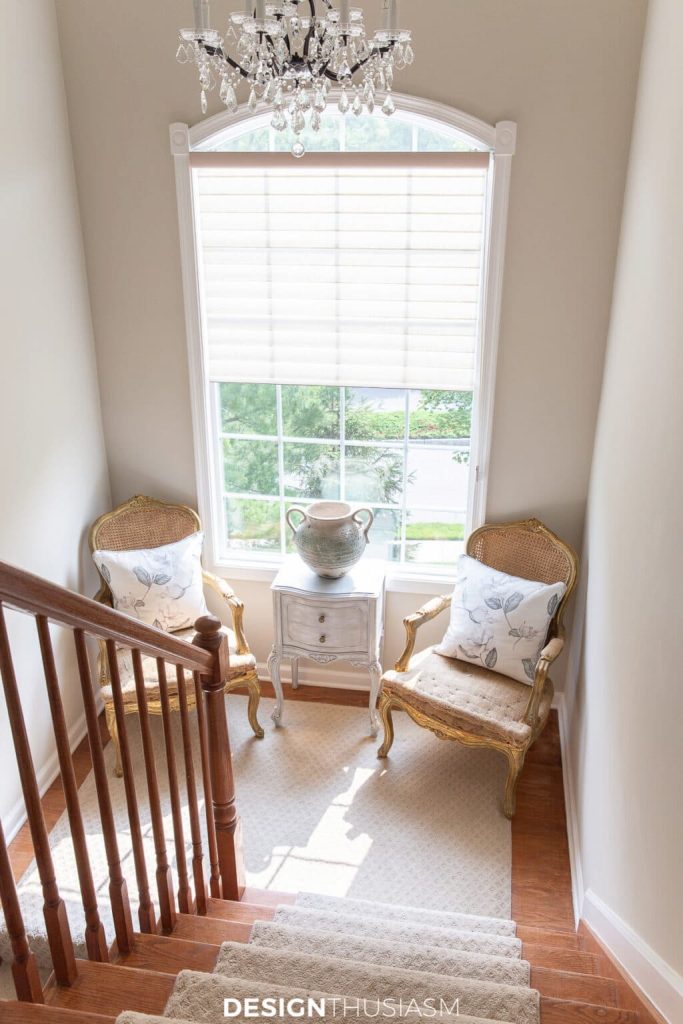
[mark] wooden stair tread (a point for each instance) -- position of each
(588, 988)
(169, 955)
(212, 930)
(246, 913)
(36, 1013)
(547, 937)
(576, 960)
(563, 1011)
(266, 897)
(110, 989)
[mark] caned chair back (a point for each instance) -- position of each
(530, 550)
(142, 522)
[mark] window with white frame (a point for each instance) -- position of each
(340, 314)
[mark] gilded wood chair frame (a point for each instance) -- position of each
(248, 678)
(515, 754)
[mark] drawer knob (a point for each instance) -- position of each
(323, 639)
(321, 619)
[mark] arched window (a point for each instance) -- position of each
(368, 133)
(342, 315)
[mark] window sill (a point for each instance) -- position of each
(398, 581)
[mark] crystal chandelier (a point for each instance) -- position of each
(291, 53)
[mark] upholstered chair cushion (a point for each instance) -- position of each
(468, 697)
(161, 586)
(499, 622)
(239, 664)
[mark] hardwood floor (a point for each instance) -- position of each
(541, 897)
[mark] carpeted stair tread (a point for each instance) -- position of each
(199, 998)
(460, 963)
(131, 1017)
(414, 915)
(374, 982)
(348, 924)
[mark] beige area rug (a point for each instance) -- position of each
(321, 813)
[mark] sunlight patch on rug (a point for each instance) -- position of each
(320, 813)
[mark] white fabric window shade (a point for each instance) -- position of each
(342, 272)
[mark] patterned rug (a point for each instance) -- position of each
(322, 814)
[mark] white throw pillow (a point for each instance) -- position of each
(160, 586)
(499, 621)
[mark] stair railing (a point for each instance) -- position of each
(206, 660)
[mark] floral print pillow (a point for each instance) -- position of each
(162, 587)
(498, 621)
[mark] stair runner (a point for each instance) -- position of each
(357, 955)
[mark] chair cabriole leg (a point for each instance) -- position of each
(252, 708)
(254, 689)
(515, 758)
(387, 723)
(110, 716)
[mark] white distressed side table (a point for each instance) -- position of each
(328, 620)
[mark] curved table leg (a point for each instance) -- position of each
(375, 680)
(274, 670)
(295, 673)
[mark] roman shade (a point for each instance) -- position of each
(341, 270)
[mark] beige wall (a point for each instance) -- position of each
(627, 712)
(566, 72)
(52, 459)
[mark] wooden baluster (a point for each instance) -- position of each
(118, 888)
(191, 786)
(228, 827)
(185, 901)
(146, 913)
(164, 876)
(95, 940)
(56, 922)
(24, 967)
(215, 875)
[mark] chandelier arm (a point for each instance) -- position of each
(361, 64)
(218, 51)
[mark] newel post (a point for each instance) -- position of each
(228, 827)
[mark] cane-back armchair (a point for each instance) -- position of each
(475, 705)
(144, 523)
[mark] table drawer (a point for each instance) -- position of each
(342, 626)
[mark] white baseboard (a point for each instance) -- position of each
(654, 977)
(660, 984)
(45, 776)
(573, 834)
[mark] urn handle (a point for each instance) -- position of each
(302, 513)
(365, 527)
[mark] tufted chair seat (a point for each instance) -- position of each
(240, 664)
(467, 697)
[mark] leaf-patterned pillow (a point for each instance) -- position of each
(499, 621)
(160, 586)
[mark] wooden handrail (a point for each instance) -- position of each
(208, 660)
(28, 593)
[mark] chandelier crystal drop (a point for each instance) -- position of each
(291, 52)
